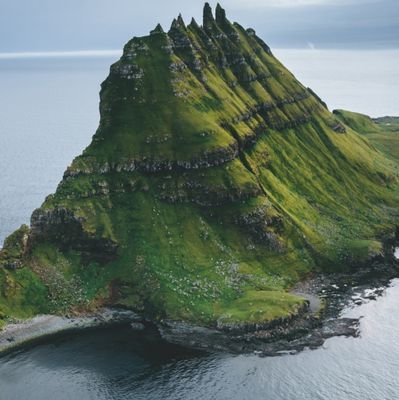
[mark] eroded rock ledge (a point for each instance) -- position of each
(63, 227)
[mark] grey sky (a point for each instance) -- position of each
(58, 25)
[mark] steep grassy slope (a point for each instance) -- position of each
(214, 182)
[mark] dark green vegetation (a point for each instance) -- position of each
(214, 183)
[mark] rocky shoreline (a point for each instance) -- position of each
(21, 333)
(328, 295)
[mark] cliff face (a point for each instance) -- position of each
(214, 182)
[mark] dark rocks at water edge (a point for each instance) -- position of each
(292, 338)
(309, 330)
(23, 332)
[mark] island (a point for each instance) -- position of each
(215, 186)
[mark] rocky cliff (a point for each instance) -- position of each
(214, 182)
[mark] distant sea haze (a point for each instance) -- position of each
(365, 81)
(57, 54)
(49, 109)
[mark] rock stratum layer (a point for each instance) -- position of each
(214, 183)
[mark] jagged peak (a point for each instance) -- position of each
(194, 23)
(158, 29)
(207, 15)
(220, 15)
(180, 21)
(178, 24)
(174, 24)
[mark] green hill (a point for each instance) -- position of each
(214, 183)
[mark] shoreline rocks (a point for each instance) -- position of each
(327, 296)
(19, 334)
(319, 319)
(310, 328)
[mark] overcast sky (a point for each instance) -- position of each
(65, 25)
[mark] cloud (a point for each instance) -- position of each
(294, 3)
(46, 25)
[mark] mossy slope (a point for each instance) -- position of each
(214, 182)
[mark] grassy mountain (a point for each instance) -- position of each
(214, 182)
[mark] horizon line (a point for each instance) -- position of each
(118, 53)
(60, 54)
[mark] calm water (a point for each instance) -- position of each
(48, 112)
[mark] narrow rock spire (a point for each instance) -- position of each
(174, 24)
(178, 34)
(208, 16)
(180, 21)
(194, 23)
(220, 14)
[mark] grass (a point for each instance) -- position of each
(23, 295)
(381, 132)
(261, 306)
